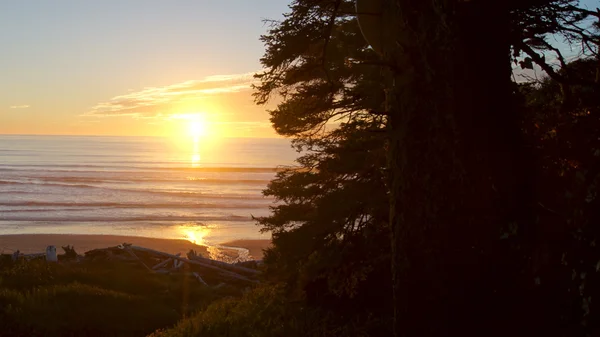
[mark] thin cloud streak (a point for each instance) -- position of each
(19, 106)
(154, 101)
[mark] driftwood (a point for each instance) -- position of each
(128, 249)
(162, 264)
(197, 276)
(177, 264)
(223, 272)
(128, 252)
(228, 266)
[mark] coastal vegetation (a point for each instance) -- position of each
(447, 187)
(98, 297)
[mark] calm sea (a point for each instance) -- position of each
(202, 190)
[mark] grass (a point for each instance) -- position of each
(268, 311)
(262, 312)
(122, 298)
(95, 298)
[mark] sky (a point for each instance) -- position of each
(135, 67)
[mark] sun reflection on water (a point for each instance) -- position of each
(195, 234)
(195, 159)
(196, 152)
(197, 149)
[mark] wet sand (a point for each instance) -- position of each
(37, 243)
(254, 246)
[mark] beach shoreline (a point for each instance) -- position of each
(255, 247)
(37, 243)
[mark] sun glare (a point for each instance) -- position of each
(195, 234)
(197, 127)
(195, 137)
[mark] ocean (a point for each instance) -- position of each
(202, 190)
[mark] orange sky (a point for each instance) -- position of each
(222, 104)
(133, 68)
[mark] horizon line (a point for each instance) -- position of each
(139, 136)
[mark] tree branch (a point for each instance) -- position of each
(329, 31)
(585, 11)
(561, 59)
(539, 60)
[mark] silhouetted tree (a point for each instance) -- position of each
(460, 178)
(460, 173)
(330, 231)
(564, 258)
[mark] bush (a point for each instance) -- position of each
(266, 311)
(95, 298)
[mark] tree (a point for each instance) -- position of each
(330, 230)
(565, 139)
(459, 176)
(460, 173)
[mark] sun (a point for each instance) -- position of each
(197, 127)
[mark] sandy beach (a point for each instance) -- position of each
(37, 243)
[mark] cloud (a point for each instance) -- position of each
(157, 101)
(19, 106)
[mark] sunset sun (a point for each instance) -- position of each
(197, 128)
(193, 124)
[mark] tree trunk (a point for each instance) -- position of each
(453, 155)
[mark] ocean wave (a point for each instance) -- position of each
(173, 205)
(68, 168)
(11, 182)
(120, 218)
(172, 193)
(190, 180)
(41, 210)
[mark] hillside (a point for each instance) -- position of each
(113, 296)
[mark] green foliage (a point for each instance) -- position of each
(330, 230)
(315, 59)
(265, 312)
(563, 124)
(94, 298)
(330, 236)
(316, 235)
(328, 271)
(76, 309)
